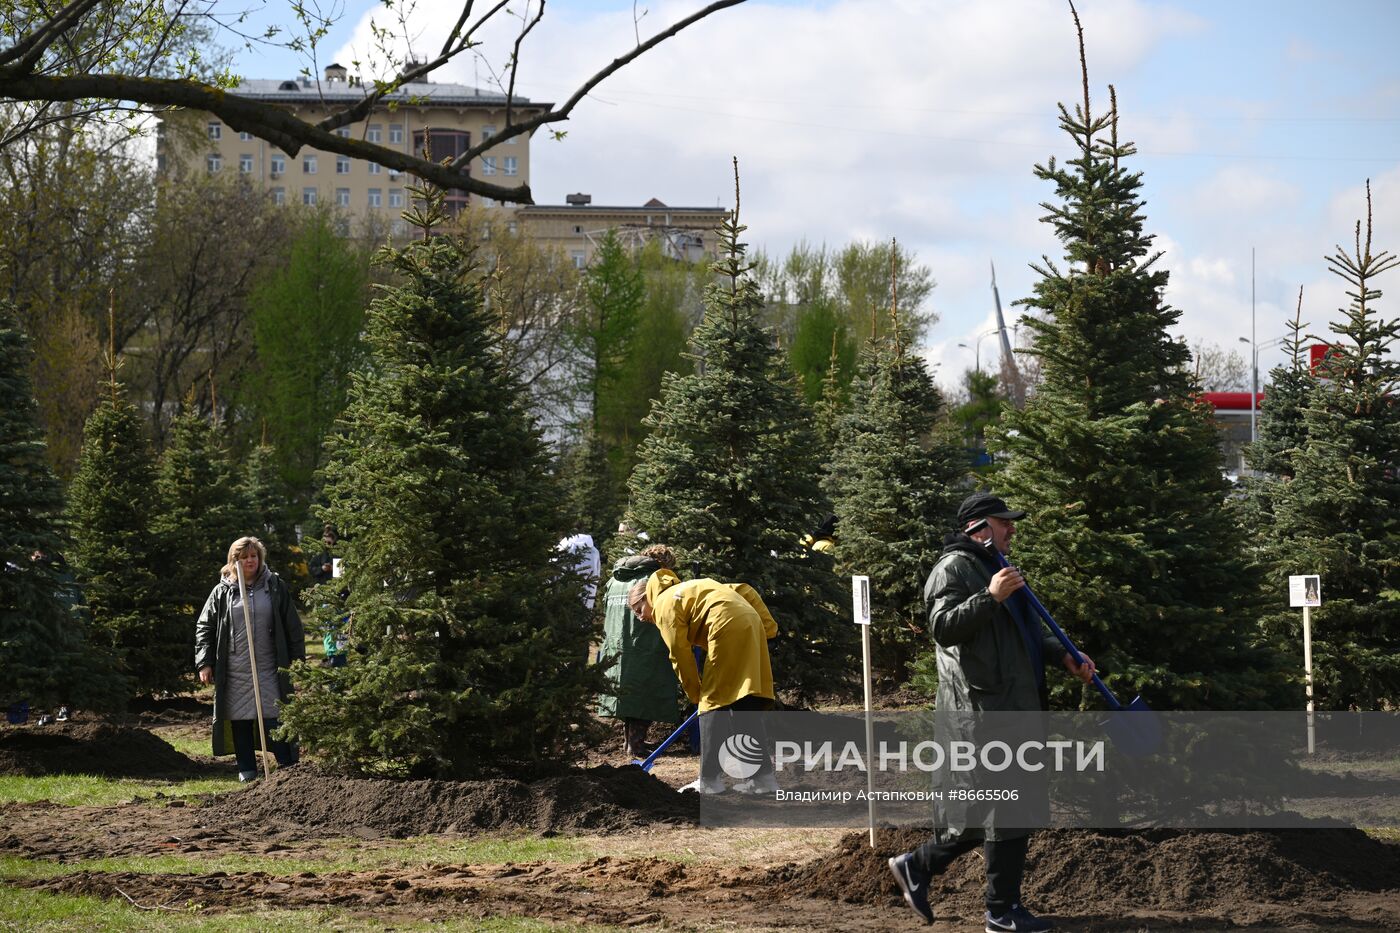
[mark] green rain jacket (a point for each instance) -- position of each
(639, 666)
(991, 659)
(212, 637)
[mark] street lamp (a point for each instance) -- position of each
(977, 348)
(1254, 378)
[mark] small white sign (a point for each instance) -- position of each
(860, 599)
(335, 567)
(1305, 590)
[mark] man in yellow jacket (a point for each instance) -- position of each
(732, 625)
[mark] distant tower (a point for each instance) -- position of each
(1010, 374)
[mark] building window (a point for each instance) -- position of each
(308, 196)
(245, 164)
(488, 165)
(373, 133)
(578, 229)
(577, 256)
(375, 168)
(343, 132)
(445, 144)
(374, 197)
(308, 165)
(512, 227)
(510, 164)
(279, 196)
(488, 202)
(487, 132)
(246, 137)
(396, 134)
(396, 197)
(398, 228)
(342, 165)
(279, 165)
(213, 163)
(342, 197)
(216, 130)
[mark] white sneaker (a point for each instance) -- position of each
(245, 777)
(702, 786)
(767, 784)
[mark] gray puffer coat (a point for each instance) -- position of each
(220, 641)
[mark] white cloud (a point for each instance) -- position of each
(921, 119)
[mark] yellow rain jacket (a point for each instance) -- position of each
(730, 622)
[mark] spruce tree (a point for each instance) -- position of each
(468, 637)
(45, 657)
(1282, 429)
(117, 556)
(832, 403)
(1115, 456)
(1339, 516)
(729, 478)
(895, 481)
(271, 500)
(204, 507)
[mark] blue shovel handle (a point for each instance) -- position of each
(651, 759)
(1044, 613)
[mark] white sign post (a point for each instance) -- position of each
(860, 609)
(1306, 591)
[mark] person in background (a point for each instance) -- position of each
(221, 655)
(638, 663)
(732, 624)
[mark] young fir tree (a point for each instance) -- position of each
(45, 657)
(204, 507)
(468, 640)
(117, 556)
(832, 403)
(1282, 427)
(895, 482)
(1340, 514)
(728, 477)
(1115, 457)
(272, 501)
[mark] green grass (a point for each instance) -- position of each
(337, 855)
(86, 790)
(22, 909)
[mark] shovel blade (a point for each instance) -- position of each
(1135, 729)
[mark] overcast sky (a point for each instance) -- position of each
(1258, 125)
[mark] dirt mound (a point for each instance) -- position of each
(1153, 869)
(168, 711)
(600, 799)
(91, 748)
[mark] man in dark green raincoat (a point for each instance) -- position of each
(992, 653)
(639, 666)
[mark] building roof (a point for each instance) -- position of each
(618, 209)
(429, 93)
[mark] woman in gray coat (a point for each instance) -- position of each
(221, 655)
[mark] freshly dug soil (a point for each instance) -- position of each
(602, 799)
(1128, 871)
(99, 748)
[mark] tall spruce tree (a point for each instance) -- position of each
(45, 657)
(1339, 516)
(117, 556)
(1282, 426)
(895, 480)
(1115, 456)
(204, 507)
(729, 477)
(468, 637)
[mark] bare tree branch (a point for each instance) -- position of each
(86, 83)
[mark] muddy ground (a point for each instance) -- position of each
(646, 865)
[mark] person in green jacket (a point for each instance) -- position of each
(992, 651)
(638, 664)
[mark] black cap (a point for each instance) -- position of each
(985, 505)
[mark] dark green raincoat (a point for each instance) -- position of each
(991, 658)
(639, 666)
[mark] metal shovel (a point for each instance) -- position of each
(1138, 735)
(651, 759)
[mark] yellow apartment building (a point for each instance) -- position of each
(449, 118)
(577, 226)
